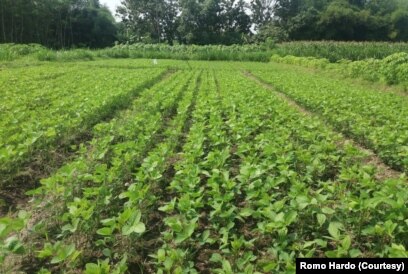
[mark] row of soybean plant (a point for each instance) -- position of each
(87, 190)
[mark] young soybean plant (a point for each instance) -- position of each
(87, 185)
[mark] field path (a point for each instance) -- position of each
(383, 170)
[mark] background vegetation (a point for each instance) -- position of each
(260, 53)
(57, 23)
(336, 50)
(86, 23)
(329, 50)
(392, 70)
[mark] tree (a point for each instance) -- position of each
(151, 21)
(338, 21)
(286, 9)
(304, 26)
(271, 34)
(171, 21)
(200, 21)
(189, 21)
(56, 23)
(93, 27)
(213, 22)
(262, 11)
(73, 23)
(399, 21)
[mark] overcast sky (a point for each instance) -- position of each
(112, 4)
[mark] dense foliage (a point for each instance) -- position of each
(343, 20)
(85, 23)
(238, 21)
(185, 21)
(209, 171)
(260, 53)
(335, 51)
(57, 23)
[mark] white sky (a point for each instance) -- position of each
(112, 4)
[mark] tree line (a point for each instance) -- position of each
(238, 21)
(57, 23)
(78, 23)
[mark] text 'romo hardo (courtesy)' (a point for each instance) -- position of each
(348, 265)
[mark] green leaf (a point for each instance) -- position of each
(134, 228)
(269, 267)
(46, 251)
(246, 212)
(346, 242)
(290, 217)
(3, 228)
(107, 252)
(161, 255)
(226, 266)
(321, 219)
(109, 222)
(139, 228)
(14, 245)
(63, 252)
(328, 210)
(216, 258)
(354, 253)
(124, 216)
(43, 271)
(166, 208)
(174, 223)
(303, 202)
(92, 268)
(334, 229)
(188, 230)
(102, 267)
(321, 243)
(331, 254)
(71, 227)
(308, 244)
(106, 231)
(168, 263)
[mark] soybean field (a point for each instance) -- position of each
(128, 166)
